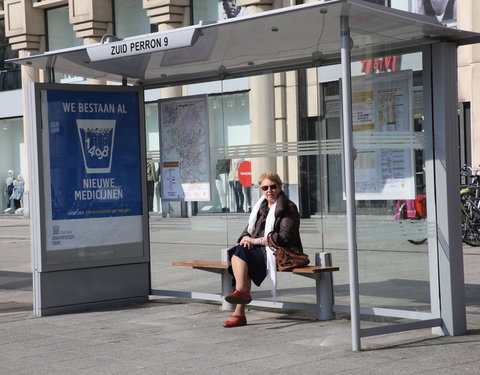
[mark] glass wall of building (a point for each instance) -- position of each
(9, 73)
(124, 12)
(60, 35)
(12, 162)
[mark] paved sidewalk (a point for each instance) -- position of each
(172, 336)
(177, 336)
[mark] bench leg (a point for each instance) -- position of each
(227, 280)
(324, 288)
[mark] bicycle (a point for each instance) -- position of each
(411, 211)
(470, 206)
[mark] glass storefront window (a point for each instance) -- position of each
(124, 12)
(406, 5)
(60, 32)
(60, 35)
(12, 158)
(9, 73)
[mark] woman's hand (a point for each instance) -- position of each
(250, 242)
(247, 242)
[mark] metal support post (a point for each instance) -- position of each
(349, 179)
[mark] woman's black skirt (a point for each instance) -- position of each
(255, 259)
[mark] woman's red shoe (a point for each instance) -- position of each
(238, 298)
(238, 322)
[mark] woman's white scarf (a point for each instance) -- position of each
(269, 223)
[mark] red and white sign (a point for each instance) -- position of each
(382, 64)
(245, 173)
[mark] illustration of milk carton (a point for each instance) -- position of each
(97, 138)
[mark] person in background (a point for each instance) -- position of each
(222, 170)
(8, 190)
(151, 180)
(235, 185)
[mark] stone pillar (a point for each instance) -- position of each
(24, 25)
(91, 19)
(281, 122)
(293, 121)
(168, 14)
(468, 12)
(262, 117)
(262, 102)
(25, 28)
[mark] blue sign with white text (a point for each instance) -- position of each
(95, 154)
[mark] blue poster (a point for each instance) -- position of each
(94, 154)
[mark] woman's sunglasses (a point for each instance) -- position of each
(265, 188)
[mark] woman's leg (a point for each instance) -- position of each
(240, 272)
(240, 309)
(242, 283)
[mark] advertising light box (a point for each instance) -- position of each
(92, 169)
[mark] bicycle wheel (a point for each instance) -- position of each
(470, 231)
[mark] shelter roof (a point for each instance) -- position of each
(294, 37)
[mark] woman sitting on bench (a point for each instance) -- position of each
(252, 259)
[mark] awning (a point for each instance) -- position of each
(294, 37)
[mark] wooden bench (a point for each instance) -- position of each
(321, 272)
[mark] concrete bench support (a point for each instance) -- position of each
(227, 281)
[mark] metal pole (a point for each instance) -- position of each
(350, 181)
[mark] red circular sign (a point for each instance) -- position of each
(245, 173)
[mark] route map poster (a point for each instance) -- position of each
(382, 135)
(184, 149)
(92, 168)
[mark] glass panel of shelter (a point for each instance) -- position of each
(389, 139)
(241, 145)
(391, 219)
(392, 223)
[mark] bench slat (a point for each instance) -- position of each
(223, 265)
(315, 269)
(202, 263)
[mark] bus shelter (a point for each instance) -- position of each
(369, 153)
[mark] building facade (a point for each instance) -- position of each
(57, 24)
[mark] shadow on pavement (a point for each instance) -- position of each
(16, 281)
